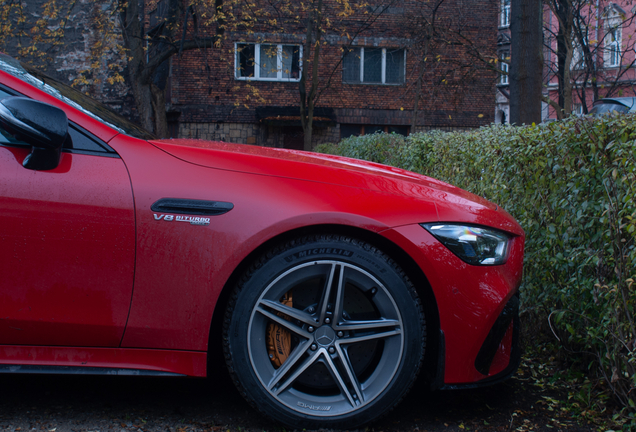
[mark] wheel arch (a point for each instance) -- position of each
(431, 368)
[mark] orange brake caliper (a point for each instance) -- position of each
(278, 337)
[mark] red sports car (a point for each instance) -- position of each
(327, 283)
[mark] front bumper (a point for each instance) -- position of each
(500, 355)
(477, 305)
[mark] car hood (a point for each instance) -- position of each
(330, 169)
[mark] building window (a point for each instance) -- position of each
(504, 68)
(504, 19)
(613, 47)
(374, 66)
(268, 62)
(612, 42)
(578, 58)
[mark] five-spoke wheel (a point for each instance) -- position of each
(325, 332)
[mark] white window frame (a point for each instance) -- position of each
(504, 15)
(257, 62)
(504, 67)
(613, 48)
(613, 39)
(382, 72)
(578, 57)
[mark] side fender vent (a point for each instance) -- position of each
(191, 207)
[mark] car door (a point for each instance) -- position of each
(67, 243)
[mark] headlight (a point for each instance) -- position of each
(474, 245)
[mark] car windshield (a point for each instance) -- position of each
(72, 97)
(607, 107)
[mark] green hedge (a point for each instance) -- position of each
(571, 185)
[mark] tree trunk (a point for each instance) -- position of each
(149, 98)
(564, 11)
(150, 102)
(132, 32)
(526, 69)
(418, 86)
(143, 102)
(159, 109)
(312, 45)
(567, 83)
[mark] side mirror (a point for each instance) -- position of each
(41, 125)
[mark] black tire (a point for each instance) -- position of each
(339, 373)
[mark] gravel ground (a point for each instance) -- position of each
(100, 403)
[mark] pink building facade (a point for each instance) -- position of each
(603, 60)
(597, 60)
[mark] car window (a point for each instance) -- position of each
(604, 108)
(80, 140)
(7, 139)
(4, 94)
(84, 142)
(72, 97)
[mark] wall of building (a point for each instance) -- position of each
(212, 103)
(254, 133)
(206, 101)
(71, 61)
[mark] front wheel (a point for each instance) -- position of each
(324, 332)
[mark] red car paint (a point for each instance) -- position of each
(68, 245)
(93, 277)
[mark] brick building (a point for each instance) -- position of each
(247, 90)
(502, 107)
